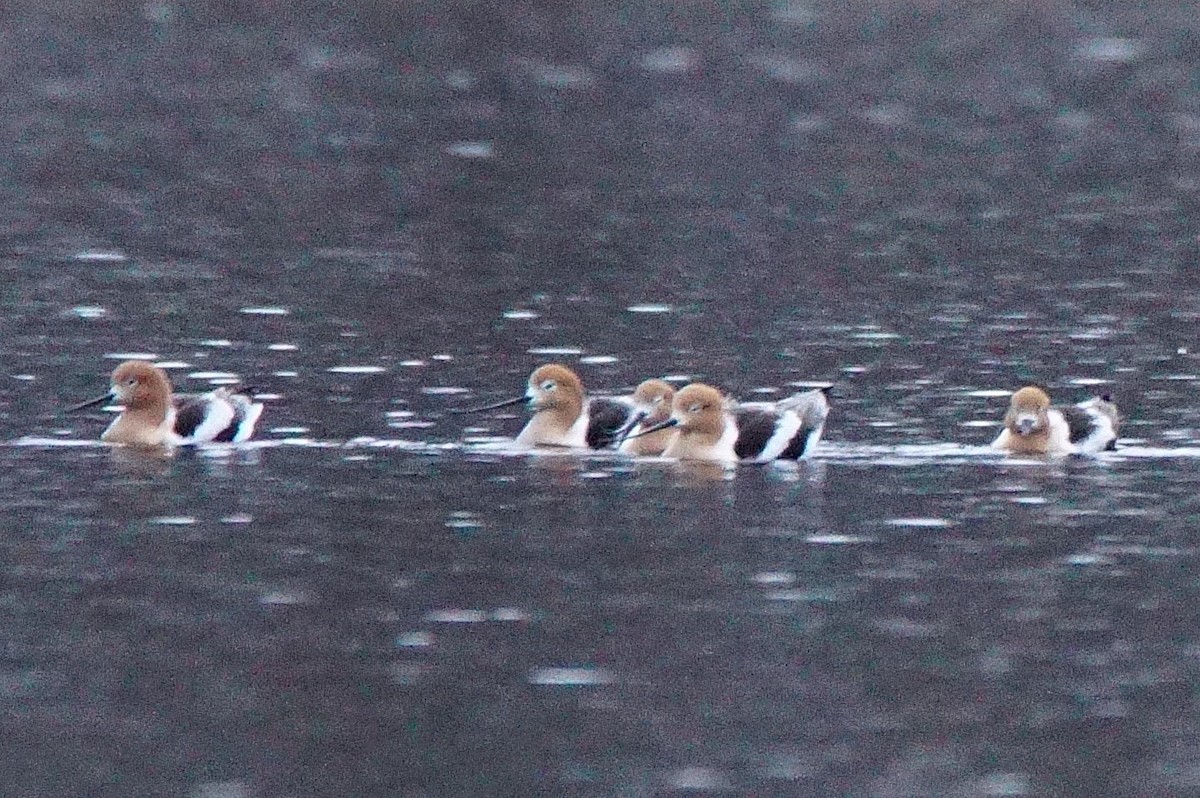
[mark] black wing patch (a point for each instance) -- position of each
(797, 445)
(1079, 422)
(755, 428)
(226, 435)
(605, 418)
(189, 415)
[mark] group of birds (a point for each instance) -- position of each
(696, 422)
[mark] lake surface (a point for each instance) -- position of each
(374, 217)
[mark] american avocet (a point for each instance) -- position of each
(1032, 426)
(153, 416)
(563, 414)
(652, 402)
(710, 427)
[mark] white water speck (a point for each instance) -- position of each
(832, 539)
(595, 475)
(463, 520)
(1088, 559)
(89, 311)
(520, 315)
(671, 60)
(24, 377)
(923, 523)
(412, 364)
(173, 520)
(101, 256)
(456, 616)
(475, 150)
(989, 393)
(650, 307)
(414, 640)
(598, 359)
(265, 311)
(221, 789)
(853, 369)
(285, 374)
(566, 677)
(237, 518)
(284, 597)
(1004, 784)
(876, 336)
(1029, 500)
(282, 347)
(288, 430)
(509, 615)
(699, 779)
(213, 375)
(173, 364)
(442, 358)
(130, 356)
(773, 578)
(979, 422)
(443, 390)
(555, 350)
(356, 369)
(218, 342)
(1110, 50)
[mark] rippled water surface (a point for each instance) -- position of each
(376, 217)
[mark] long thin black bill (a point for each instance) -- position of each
(620, 434)
(99, 400)
(670, 422)
(497, 406)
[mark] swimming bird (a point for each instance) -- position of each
(563, 414)
(710, 427)
(652, 403)
(1033, 426)
(153, 416)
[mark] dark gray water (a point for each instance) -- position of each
(376, 216)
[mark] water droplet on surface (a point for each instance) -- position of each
(1110, 50)
(474, 150)
(921, 523)
(671, 60)
(831, 539)
(265, 311)
(773, 578)
(583, 677)
(415, 640)
(222, 789)
(699, 779)
(456, 616)
(356, 369)
(555, 350)
(130, 356)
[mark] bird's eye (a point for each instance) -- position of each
(548, 385)
(695, 408)
(131, 381)
(657, 400)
